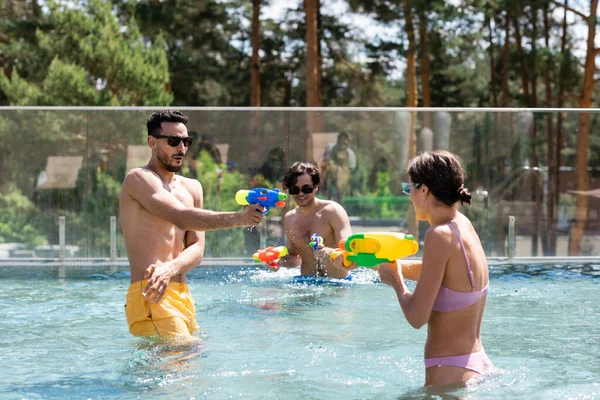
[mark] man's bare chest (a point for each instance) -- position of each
(182, 195)
(305, 227)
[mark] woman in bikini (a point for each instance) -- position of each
(452, 278)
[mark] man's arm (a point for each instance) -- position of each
(146, 188)
(190, 257)
(340, 224)
(351, 159)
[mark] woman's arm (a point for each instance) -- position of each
(417, 306)
(411, 269)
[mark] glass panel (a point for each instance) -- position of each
(71, 162)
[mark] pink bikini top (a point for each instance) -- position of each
(448, 300)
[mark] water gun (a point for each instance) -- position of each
(270, 255)
(265, 197)
(371, 249)
(316, 242)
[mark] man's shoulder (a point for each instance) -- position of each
(135, 174)
(332, 208)
(290, 214)
(332, 205)
(190, 181)
(140, 172)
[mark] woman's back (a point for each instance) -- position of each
(457, 332)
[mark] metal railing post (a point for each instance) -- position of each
(61, 238)
(113, 238)
(511, 237)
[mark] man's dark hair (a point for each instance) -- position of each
(443, 174)
(155, 121)
(298, 169)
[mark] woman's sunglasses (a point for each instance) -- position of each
(305, 189)
(406, 187)
(174, 141)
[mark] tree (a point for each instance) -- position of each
(205, 67)
(96, 61)
(583, 133)
(314, 91)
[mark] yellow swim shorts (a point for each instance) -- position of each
(175, 314)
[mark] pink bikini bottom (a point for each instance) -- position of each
(475, 361)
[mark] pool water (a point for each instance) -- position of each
(64, 335)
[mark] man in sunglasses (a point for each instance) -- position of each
(163, 227)
(312, 215)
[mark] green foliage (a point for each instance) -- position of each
(95, 60)
(383, 184)
(20, 220)
(219, 188)
(204, 66)
(387, 207)
(18, 91)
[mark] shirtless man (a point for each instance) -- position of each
(325, 218)
(163, 227)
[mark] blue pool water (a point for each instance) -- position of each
(64, 335)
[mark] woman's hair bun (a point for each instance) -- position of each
(463, 195)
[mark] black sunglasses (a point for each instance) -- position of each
(174, 141)
(305, 189)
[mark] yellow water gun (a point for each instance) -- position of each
(372, 249)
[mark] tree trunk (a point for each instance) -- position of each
(537, 183)
(255, 60)
(313, 77)
(522, 63)
(505, 61)
(253, 137)
(492, 63)
(551, 202)
(583, 132)
(506, 137)
(425, 74)
(560, 103)
(560, 139)
(411, 95)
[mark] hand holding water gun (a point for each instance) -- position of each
(265, 197)
(316, 242)
(270, 255)
(371, 249)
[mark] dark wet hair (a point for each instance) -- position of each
(156, 119)
(343, 136)
(278, 152)
(443, 174)
(298, 169)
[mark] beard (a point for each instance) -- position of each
(165, 161)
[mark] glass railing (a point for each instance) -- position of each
(70, 162)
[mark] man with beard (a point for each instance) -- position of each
(163, 227)
(312, 215)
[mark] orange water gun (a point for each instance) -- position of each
(270, 255)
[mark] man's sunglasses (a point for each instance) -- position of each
(305, 189)
(406, 187)
(174, 141)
